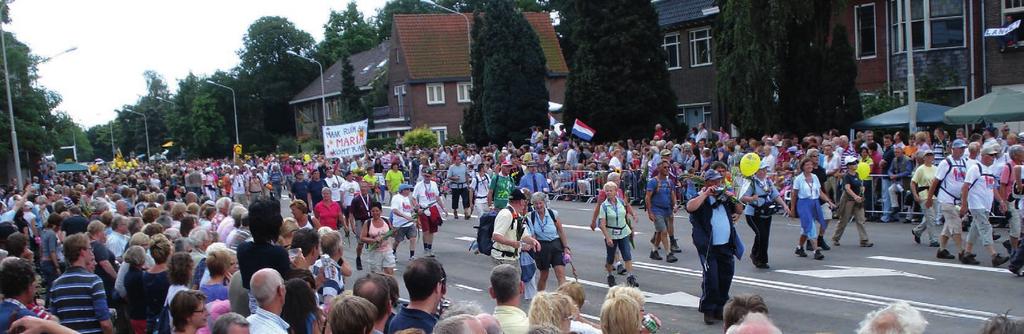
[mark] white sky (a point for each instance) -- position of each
(118, 40)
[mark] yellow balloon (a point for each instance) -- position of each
(306, 158)
(749, 164)
(864, 170)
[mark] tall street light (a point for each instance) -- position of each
(233, 105)
(469, 34)
(145, 121)
(323, 94)
(911, 90)
(69, 50)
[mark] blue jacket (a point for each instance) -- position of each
(901, 170)
(701, 220)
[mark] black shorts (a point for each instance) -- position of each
(460, 194)
(550, 254)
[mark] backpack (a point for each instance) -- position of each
(162, 325)
(955, 195)
(484, 233)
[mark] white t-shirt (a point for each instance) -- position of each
(950, 181)
(984, 181)
(336, 183)
(615, 163)
(349, 191)
(481, 186)
(403, 205)
(426, 194)
(238, 184)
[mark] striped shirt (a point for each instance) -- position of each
(79, 300)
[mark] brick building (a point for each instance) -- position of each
(429, 71)
(688, 45)
(307, 105)
(1004, 57)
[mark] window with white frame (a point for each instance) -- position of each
(700, 47)
(435, 93)
(935, 24)
(441, 132)
(864, 20)
(464, 88)
(671, 46)
(1013, 4)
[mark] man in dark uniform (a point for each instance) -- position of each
(712, 214)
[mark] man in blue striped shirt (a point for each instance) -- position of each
(78, 297)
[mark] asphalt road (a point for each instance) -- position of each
(803, 295)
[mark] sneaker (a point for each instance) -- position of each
(675, 247)
(944, 254)
(818, 255)
(620, 268)
(917, 236)
(761, 265)
(655, 256)
(671, 258)
(800, 252)
(835, 242)
(823, 245)
(631, 281)
(866, 244)
(1016, 271)
(934, 244)
(709, 319)
(611, 280)
(359, 263)
(999, 259)
(807, 245)
(968, 258)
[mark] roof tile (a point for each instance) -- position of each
(436, 45)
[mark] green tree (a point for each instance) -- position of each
(473, 129)
(420, 137)
(207, 126)
(783, 66)
(345, 33)
(619, 84)
(566, 27)
(351, 97)
(266, 79)
(514, 96)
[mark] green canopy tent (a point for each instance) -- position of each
(72, 168)
(927, 114)
(1001, 105)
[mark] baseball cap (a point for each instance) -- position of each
(990, 149)
(851, 160)
(959, 143)
(765, 164)
(404, 187)
(711, 175)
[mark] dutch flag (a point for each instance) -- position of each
(583, 131)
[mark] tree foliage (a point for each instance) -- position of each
(345, 33)
(352, 107)
(619, 83)
(420, 137)
(783, 66)
(473, 129)
(514, 96)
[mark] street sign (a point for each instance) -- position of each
(238, 149)
(843, 272)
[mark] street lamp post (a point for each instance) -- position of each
(145, 120)
(323, 94)
(113, 151)
(10, 108)
(233, 105)
(469, 35)
(911, 93)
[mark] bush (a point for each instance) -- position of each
(380, 144)
(455, 140)
(287, 144)
(420, 137)
(312, 145)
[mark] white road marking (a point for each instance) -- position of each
(470, 239)
(843, 272)
(842, 295)
(679, 298)
(468, 288)
(590, 317)
(939, 264)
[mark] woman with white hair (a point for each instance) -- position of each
(899, 317)
(616, 231)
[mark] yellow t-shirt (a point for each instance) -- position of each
(923, 177)
(394, 179)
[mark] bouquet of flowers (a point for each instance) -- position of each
(374, 245)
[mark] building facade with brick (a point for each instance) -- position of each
(688, 44)
(429, 72)
(307, 106)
